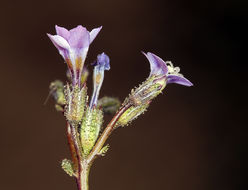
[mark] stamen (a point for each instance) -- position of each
(173, 70)
(169, 63)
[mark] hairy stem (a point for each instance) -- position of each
(76, 152)
(72, 148)
(83, 177)
(82, 164)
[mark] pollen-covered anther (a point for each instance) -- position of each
(173, 70)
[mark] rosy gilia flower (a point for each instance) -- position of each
(73, 46)
(166, 70)
(161, 74)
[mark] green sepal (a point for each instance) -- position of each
(140, 98)
(104, 150)
(76, 99)
(130, 114)
(67, 166)
(90, 128)
(147, 91)
(109, 105)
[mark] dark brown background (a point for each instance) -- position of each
(190, 139)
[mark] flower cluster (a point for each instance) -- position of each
(85, 118)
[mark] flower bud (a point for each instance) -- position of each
(90, 128)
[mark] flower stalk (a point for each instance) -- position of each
(85, 119)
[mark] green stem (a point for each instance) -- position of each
(83, 177)
(84, 164)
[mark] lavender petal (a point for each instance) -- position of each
(63, 32)
(59, 42)
(79, 37)
(103, 61)
(178, 80)
(94, 33)
(157, 65)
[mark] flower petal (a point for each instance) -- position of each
(178, 80)
(63, 32)
(79, 37)
(94, 33)
(59, 42)
(157, 65)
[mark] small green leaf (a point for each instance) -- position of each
(67, 166)
(104, 150)
(131, 114)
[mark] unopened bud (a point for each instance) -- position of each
(90, 128)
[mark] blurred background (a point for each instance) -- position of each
(190, 138)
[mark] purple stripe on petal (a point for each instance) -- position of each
(178, 80)
(63, 32)
(79, 37)
(94, 33)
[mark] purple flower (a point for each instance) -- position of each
(73, 46)
(168, 73)
(101, 64)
